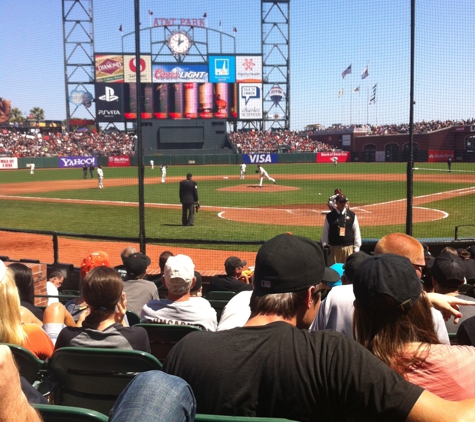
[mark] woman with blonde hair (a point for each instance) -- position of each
(392, 319)
(103, 324)
(29, 336)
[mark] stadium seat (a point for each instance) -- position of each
(163, 337)
(54, 413)
(218, 305)
(93, 378)
(31, 368)
(132, 318)
(219, 295)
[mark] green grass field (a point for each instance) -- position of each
(165, 223)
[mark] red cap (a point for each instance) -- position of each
(93, 260)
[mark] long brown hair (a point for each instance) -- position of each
(102, 289)
(387, 335)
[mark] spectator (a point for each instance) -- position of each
(272, 368)
(129, 250)
(232, 281)
(52, 285)
(197, 289)
(95, 259)
(29, 336)
(393, 321)
(336, 310)
(158, 279)
(469, 263)
(180, 308)
(103, 324)
(138, 290)
(448, 274)
(26, 288)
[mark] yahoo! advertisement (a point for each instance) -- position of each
(119, 161)
(67, 162)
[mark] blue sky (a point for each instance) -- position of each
(326, 37)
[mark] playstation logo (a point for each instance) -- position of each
(109, 95)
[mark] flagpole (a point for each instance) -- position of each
(367, 95)
(351, 96)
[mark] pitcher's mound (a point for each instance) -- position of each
(257, 188)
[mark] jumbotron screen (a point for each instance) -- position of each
(227, 87)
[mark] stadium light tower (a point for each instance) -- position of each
(78, 48)
(275, 30)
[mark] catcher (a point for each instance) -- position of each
(332, 201)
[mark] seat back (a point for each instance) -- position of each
(53, 413)
(220, 295)
(29, 365)
(132, 317)
(163, 337)
(218, 305)
(93, 378)
(471, 281)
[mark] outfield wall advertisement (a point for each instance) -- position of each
(8, 163)
(327, 157)
(438, 156)
(260, 158)
(120, 161)
(68, 162)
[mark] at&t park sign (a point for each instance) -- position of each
(198, 23)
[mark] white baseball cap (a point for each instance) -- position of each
(179, 273)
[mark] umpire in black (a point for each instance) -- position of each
(188, 198)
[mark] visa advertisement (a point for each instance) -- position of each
(260, 159)
(222, 69)
(250, 101)
(327, 157)
(179, 72)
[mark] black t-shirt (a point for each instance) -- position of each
(228, 283)
(469, 265)
(277, 370)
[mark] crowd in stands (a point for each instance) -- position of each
(17, 144)
(398, 129)
(290, 327)
(254, 141)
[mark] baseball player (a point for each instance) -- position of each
(262, 174)
(32, 168)
(152, 164)
(100, 176)
(335, 161)
(242, 167)
(164, 172)
(332, 201)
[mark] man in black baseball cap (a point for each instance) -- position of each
(272, 368)
(231, 281)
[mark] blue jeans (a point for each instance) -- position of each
(155, 396)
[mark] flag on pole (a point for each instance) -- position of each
(150, 12)
(205, 15)
(120, 29)
(357, 89)
(365, 73)
(340, 93)
(346, 72)
(373, 97)
(234, 29)
(220, 25)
